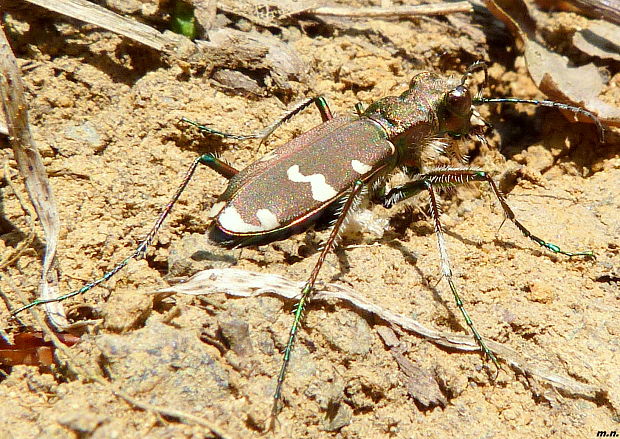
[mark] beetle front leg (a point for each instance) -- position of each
(306, 294)
(400, 193)
(319, 101)
(410, 189)
(453, 177)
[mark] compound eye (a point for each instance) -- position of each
(459, 100)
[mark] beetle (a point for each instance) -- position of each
(320, 177)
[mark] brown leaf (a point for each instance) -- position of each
(600, 39)
(421, 384)
(232, 49)
(553, 73)
(31, 349)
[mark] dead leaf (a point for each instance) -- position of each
(35, 176)
(241, 283)
(553, 74)
(233, 49)
(31, 349)
(421, 384)
(578, 86)
(601, 39)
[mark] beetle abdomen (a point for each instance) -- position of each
(231, 240)
(288, 190)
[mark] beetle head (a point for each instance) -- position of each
(457, 111)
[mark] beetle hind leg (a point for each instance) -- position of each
(209, 160)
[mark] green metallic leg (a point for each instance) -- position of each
(306, 294)
(446, 272)
(359, 109)
(449, 178)
(426, 182)
(209, 160)
(219, 166)
(319, 101)
(455, 176)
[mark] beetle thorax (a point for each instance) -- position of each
(430, 108)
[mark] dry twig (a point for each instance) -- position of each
(88, 12)
(241, 283)
(391, 12)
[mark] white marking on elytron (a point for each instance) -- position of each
(321, 191)
(216, 208)
(267, 219)
(232, 221)
(359, 167)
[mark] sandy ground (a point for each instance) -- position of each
(105, 115)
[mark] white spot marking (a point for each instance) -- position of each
(321, 191)
(359, 167)
(232, 221)
(216, 209)
(267, 219)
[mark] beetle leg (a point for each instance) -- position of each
(428, 181)
(400, 193)
(446, 272)
(454, 176)
(319, 101)
(209, 160)
(359, 109)
(448, 178)
(323, 106)
(219, 166)
(306, 294)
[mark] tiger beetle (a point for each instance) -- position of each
(320, 178)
